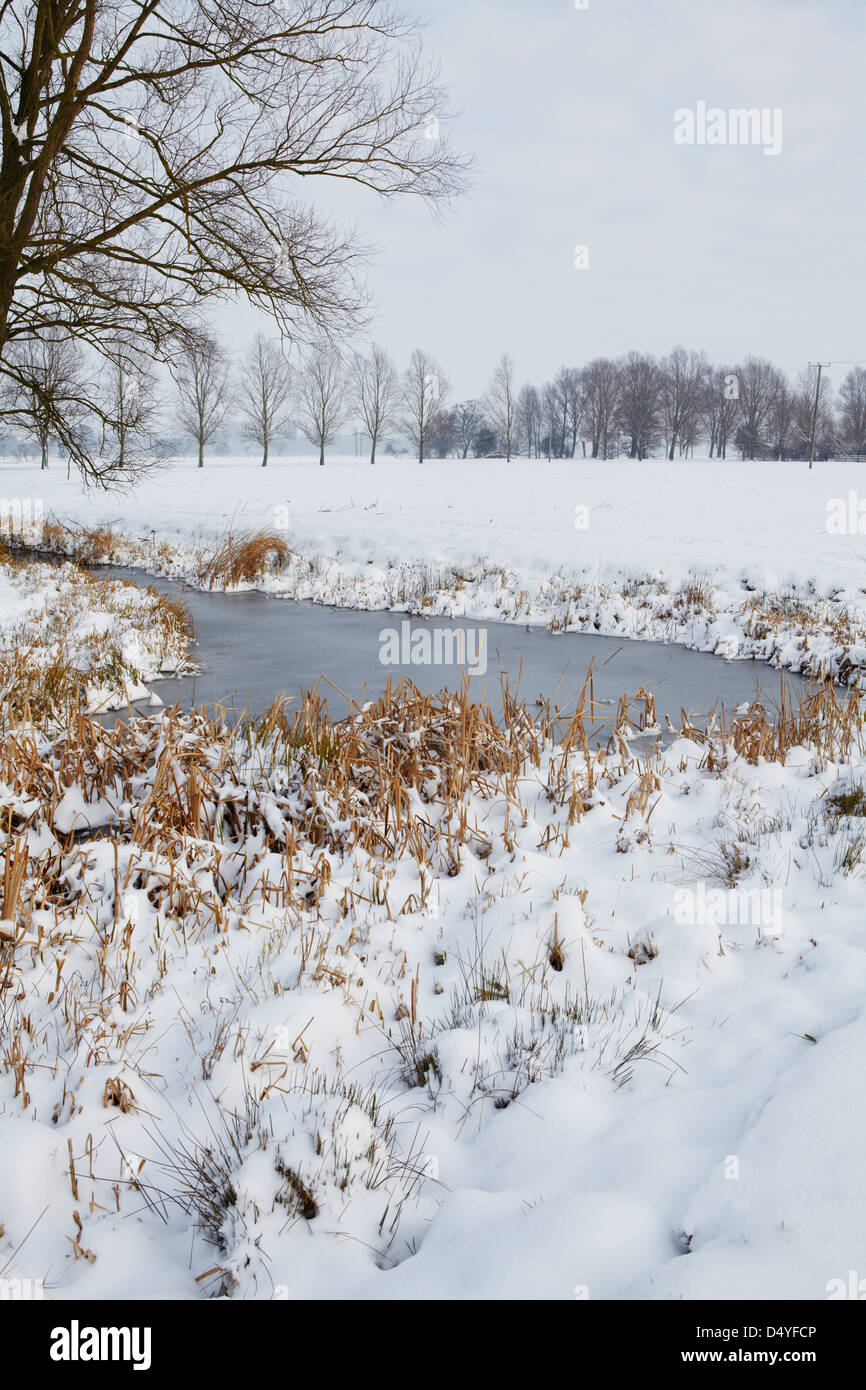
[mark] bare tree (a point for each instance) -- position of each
(322, 399)
(813, 410)
(152, 155)
(424, 388)
(682, 379)
(528, 420)
(601, 393)
(559, 399)
(549, 408)
(375, 390)
(757, 381)
(561, 412)
(45, 391)
(443, 438)
(485, 443)
(852, 412)
(569, 384)
(501, 404)
(265, 393)
(564, 407)
(781, 417)
(201, 375)
(130, 406)
(720, 408)
(639, 393)
(468, 419)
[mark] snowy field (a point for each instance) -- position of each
(757, 559)
(765, 522)
(419, 1008)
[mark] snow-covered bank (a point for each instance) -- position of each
(418, 1006)
(742, 559)
(415, 1005)
(62, 630)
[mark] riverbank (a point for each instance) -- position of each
(724, 557)
(67, 635)
(423, 1005)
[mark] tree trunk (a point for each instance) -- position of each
(373, 449)
(265, 456)
(44, 443)
(201, 453)
(322, 454)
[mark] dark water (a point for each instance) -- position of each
(252, 648)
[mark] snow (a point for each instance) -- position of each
(425, 1105)
(111, 633)
(488, 539)
(765, 521)
(531, 1160)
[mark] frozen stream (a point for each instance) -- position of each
(250, 648)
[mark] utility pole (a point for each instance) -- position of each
(819, 365)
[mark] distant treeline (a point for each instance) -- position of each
(636, 405)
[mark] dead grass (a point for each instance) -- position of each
(242, 559)
(94, 545)
(392, 780)
(48, 659)
(848, 801)
(85, 545)
(214, 825)
(821, 719)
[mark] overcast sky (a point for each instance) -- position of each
(570, 115)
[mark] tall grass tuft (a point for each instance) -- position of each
(243, 559)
